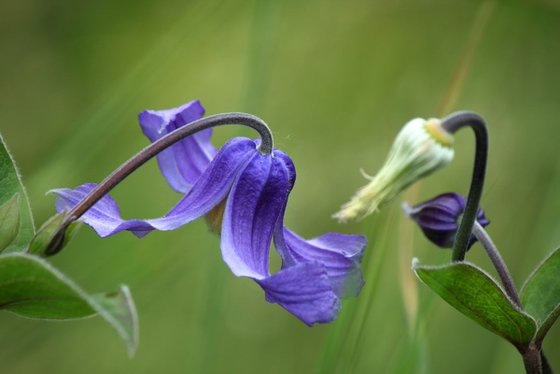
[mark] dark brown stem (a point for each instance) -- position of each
(532, 360)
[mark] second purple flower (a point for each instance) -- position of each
(439, 218)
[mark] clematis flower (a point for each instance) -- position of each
(420, 148)
(439, 218)
(252, 188)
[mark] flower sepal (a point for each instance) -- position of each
(53, 235)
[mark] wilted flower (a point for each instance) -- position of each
(421, 147)
(254, 188)
(439, 218)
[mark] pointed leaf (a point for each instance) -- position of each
(475, 294)
(9, 221)
(119, 310)
(31, 287)
(10, 184)
(541, 293)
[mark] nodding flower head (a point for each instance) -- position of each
(244, 194)
(420, 148)
(439, 218)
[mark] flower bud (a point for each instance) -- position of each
(53, 235)
(439, 218)
(421, 147)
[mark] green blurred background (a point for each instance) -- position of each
(335, 80)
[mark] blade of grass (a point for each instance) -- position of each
(344, 333)
(210, 315)
(261, 39)
(365, 307)
(464, 65)
(408, 282)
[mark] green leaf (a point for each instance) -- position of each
(10, 184)
(49, 239)
(33, 288)
(475, 294)
(540, 295)
(9, 221)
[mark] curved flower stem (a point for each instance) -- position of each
(497, 261)
(452, 124)
(152, 150)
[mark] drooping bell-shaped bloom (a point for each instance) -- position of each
(254, 188)
(420, 148)
(439, 218)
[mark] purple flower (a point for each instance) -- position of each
(315, 273)
(439, 218)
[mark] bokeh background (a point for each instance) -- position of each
(335, 80)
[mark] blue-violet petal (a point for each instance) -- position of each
(305, 291)
(184, 162)
(252, 210)
(340, 254)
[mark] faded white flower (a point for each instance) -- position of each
(421, 147)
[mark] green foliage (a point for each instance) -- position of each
(346, 333)
(31, 287)
(9, 221)
(475, 294)
(541, 294)
(10, 184)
